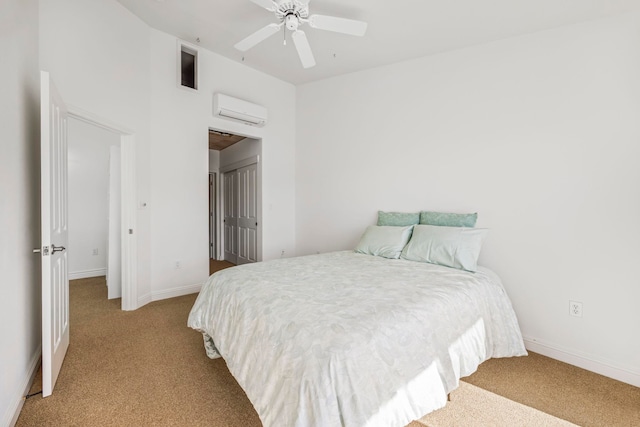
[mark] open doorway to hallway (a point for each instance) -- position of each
(235, 195)
(94, 204)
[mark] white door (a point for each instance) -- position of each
(248, 214)
(231, 216)
(54, 213)
(114, 245)
(212, 216)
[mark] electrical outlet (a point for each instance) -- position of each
(177, 265)
(95, 251)
(575, 308)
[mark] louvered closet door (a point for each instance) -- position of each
(230, 182)
(247, 214)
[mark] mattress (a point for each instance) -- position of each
(347, 339)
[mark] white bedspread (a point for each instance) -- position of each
(345, 339)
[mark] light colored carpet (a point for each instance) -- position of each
(147, 368)
(471, 406)
(565, 391)
(215, 265)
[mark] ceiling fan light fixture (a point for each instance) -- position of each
(292, 21)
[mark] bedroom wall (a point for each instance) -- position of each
(89, 153)
(538, 134)
(20, 203)
(128, 77)
(105, 73)
(179, 161)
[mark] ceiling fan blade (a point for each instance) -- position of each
(339, 25)
(303, 48)
(257, 37)
(267, 4)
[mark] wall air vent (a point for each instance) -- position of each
(188, 67)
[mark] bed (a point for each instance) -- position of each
(349, 339)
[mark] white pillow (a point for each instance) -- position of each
(384, 241)
(456, 247)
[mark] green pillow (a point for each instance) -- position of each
(448, 219)
(398, 219)
(384, 241)
(456, 247)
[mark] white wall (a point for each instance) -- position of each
(214, 160)
(128, 77)
(98, 54)
(89, 151)
(181, 119)
(245, 149)
(20, 202)
(538, 134)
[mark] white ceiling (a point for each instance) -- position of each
(398, 30)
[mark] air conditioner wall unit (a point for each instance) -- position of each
(228, 107)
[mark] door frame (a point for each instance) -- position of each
(220, 195)
(128, 208)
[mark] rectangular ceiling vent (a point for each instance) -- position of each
(228, 107)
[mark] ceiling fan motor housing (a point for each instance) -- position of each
(291, 13)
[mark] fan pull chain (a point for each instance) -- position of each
(284, 35)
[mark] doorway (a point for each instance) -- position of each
(94, 204)
(120, 247)
(235, 212)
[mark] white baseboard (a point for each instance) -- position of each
(168, 293)
(176, 292)
(13, 412)
(144, 300)
(584, 361)
(84, 274)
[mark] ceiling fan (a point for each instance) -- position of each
(292, 14)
